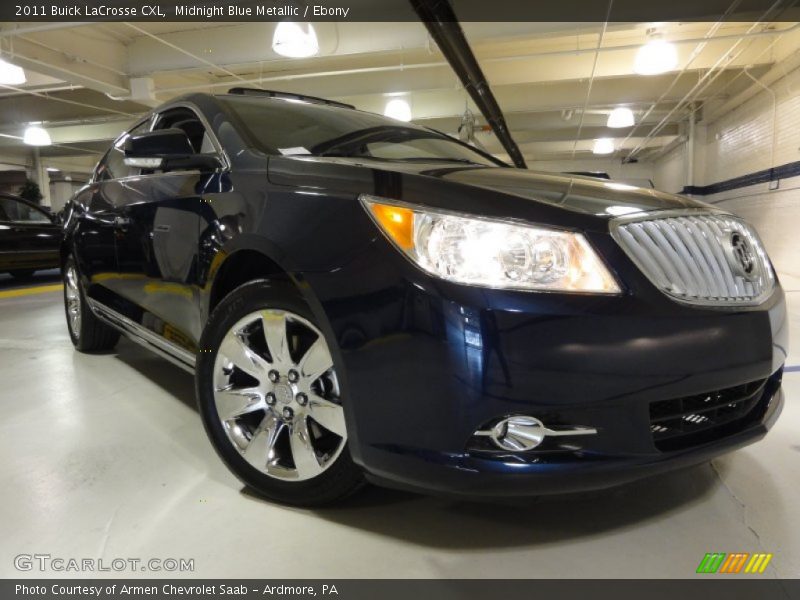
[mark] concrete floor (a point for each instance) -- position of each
(105, 456)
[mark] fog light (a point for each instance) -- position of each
(522, 433)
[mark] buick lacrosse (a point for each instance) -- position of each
(363, 299)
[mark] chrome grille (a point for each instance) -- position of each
(711, 259)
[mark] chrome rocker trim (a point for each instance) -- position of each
(144, 337)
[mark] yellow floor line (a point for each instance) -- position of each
(30, 291)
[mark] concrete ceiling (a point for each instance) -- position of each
(556, 82)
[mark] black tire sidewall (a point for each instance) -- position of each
(338, 480)
(94, 335)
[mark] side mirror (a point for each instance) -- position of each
(166, 149)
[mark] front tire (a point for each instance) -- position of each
(270, 398)
(87, 332)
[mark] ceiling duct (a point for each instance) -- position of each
(443, 26)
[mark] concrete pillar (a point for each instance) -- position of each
(41, 177)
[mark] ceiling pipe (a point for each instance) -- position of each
(695, 53)
(778, 71)
(185, 52)
(14, 31)
(298, 76)
(591, 81)
(436, 64)
(46, 89)
(707, 79)
(485, 60)
(664, 150)
(45, 96)
(72, 57)
(443, 26)
(18, 138)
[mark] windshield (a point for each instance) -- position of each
(294, 128)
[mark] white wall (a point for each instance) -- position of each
(743, 142)
(776, 215)
(669, 172)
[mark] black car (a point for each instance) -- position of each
(362, 299)
(30, 238)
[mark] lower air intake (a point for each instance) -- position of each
(684, 422)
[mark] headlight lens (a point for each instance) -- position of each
(492, 253)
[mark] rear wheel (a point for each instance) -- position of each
(87, 332)
(271, 400)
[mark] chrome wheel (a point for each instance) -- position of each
(277, 395)
(73, 299)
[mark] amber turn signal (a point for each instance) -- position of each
(396, 221)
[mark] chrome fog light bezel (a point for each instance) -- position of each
(523, 433)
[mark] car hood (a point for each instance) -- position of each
(581, 195)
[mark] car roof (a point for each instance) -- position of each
(242, 91)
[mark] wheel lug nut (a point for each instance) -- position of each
(273, 376)
(270, 398)
(293, 376)
(302, 399)
(288, 413)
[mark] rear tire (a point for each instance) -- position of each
(265, 365)
(87, 332)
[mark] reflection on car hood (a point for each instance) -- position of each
(582, 194)
(601, 198)
(574, 193)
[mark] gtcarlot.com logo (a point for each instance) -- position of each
(734, 563)
(47, 562)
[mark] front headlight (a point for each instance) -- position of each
(491, 253)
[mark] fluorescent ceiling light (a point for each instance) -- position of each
(620, 117)
(36, 136)
(656, 57)
(295, 40)
(603, 146)
(52, 170)
(398, 109)
(11, 74)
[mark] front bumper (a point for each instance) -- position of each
(425, 364)
(469, 475)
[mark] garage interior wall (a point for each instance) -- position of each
(762, 133)
(556, 83)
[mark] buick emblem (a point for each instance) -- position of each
(743, 257)
(283, 393)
